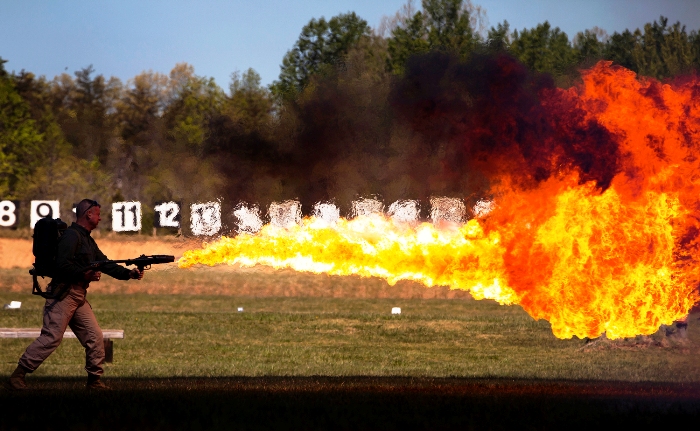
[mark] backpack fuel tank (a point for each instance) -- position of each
(47, 231)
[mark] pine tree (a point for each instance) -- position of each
(322, 44)
(442, 25)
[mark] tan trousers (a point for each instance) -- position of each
(73, 311)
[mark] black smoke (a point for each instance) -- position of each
(503, 118)
(447, 127)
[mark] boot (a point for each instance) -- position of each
(94, 382)
(17, 382)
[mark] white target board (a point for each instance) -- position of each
(327, 212)
(285, 214)
(405, 211)
(248, 218)
(205, 218)
(444, 209)
(167, 214)
(41, 209)
(483, 207)
(9, 213)
(366, 207)
(126, 216)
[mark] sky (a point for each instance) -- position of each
(123, 38)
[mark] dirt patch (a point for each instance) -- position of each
(17, 252)
(258, 282)
(234, 280)
(262, 281)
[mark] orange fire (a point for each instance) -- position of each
(622, 261)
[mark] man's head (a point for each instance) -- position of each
(87, 213)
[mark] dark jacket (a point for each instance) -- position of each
(76, 249)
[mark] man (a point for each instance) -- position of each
(76, 249)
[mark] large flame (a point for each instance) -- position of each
(622, 261)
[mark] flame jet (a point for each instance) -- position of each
(616, 256)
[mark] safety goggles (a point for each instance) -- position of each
(92, 205)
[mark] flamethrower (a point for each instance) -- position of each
(142, 262)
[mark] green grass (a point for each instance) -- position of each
(323, 359)
(196, 335)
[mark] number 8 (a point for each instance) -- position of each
(7, 213)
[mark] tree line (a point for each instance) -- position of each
(343, 120)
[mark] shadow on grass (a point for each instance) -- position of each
(345, 403)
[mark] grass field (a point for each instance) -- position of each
(196, 335)
(305, 343)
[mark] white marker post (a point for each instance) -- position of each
(396, 310)
(41, 209)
